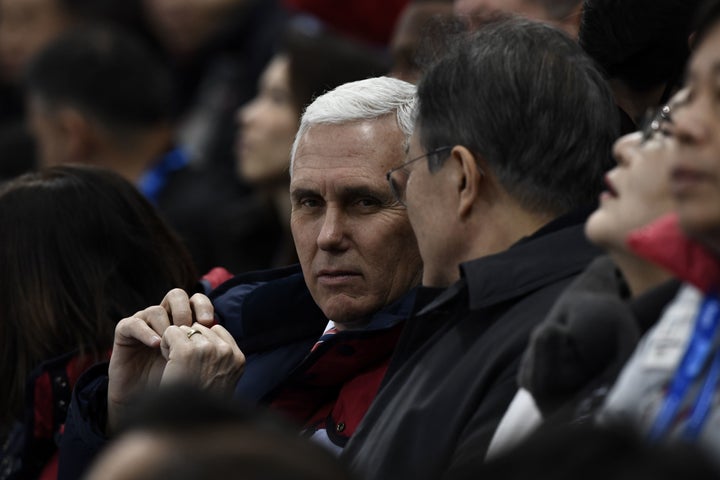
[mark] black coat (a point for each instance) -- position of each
(454, 372)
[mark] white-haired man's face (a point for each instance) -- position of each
(354, 241)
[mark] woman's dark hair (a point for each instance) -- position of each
(80, 249)
(644, 43)
(320, 60)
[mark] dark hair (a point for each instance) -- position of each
(320, 60)
(80, 249)
(707, 18)
(106, 73)
(643, 43)
(523, 96)
(214, 438)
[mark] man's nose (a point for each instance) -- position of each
(332, 233)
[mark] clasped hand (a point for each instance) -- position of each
(159, 345)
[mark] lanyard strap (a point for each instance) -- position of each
(694, 358)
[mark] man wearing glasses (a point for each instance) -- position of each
(512, 139)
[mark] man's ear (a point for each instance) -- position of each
(471, 176)
(79, 134)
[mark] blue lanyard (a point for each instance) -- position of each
(153, 181)
(695, 357)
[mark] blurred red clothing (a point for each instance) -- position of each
(369, 20)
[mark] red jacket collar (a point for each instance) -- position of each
(664, 243)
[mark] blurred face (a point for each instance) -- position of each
(408, 36)
(485, 8)
(50, 136)
(268, 124)
(26, 26)
(638, 189)
(695, 174)
(183, 26)
(354, 241)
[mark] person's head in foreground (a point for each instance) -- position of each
(182, 433)
(80, 249)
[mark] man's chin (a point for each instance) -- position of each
(347, 312)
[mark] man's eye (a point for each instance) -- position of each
(309, 202)
(368, 202)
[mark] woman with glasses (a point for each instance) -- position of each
(669, 387)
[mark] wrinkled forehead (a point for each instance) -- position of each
(367, 145)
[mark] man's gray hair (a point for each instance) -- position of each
(361, 100)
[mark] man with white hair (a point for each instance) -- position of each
(358, 258)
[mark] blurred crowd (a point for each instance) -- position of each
(274, 239)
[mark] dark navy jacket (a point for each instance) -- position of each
(455, 368)
(275, 322)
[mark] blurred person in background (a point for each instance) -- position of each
(368, 21)
(98, 96)
(417, 37)
(668, 389)
(216, 51)
(81, 248)
(563, 14)
(641, 47)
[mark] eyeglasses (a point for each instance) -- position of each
(655, 122)
(398, 177)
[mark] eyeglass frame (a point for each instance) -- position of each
(654, 122)
(388, 176)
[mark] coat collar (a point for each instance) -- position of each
(556, 251)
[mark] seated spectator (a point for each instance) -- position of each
(580, 348)
(642, 47)
(668, 388)
(317, 340)
(419, 37)
(492, 191)
(210, 438)
(99, 97)
(310, 63)
(216, 51)
(79, 249)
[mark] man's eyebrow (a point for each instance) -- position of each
(303, 192)
(363, 191)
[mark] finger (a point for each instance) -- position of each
(225, 336)
(177, 304)
(133, 330)
(203, 308)
(156, 317)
